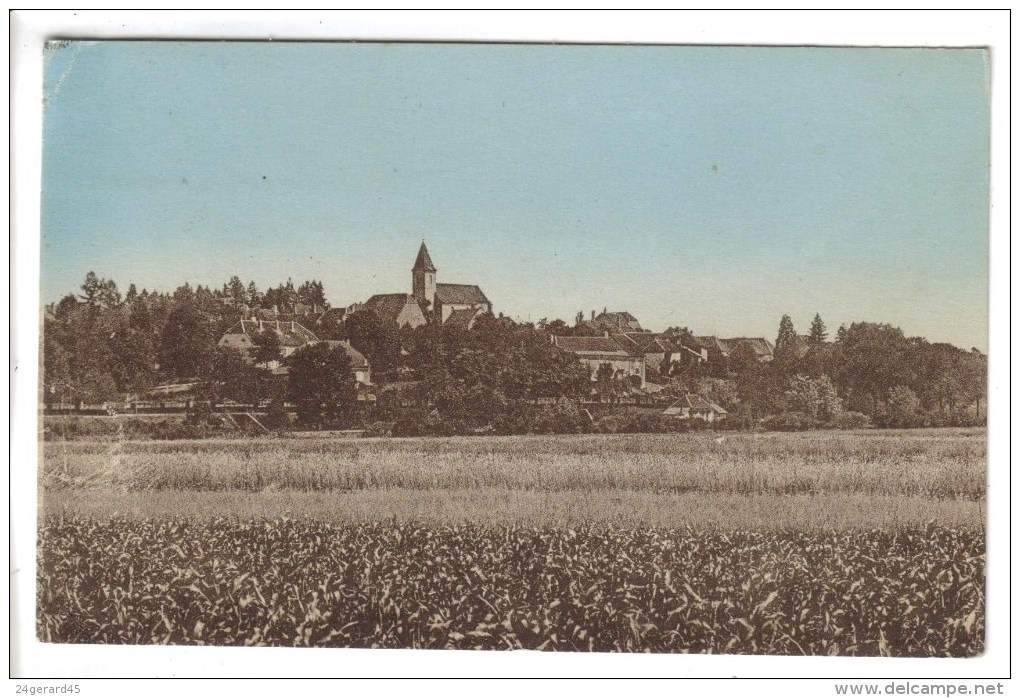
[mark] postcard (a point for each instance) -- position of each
(671, 349)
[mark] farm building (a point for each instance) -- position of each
(596, 351)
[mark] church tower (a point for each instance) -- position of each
(423, 278)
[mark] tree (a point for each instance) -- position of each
(604, 373)
(787, 353)
(787, 336)
(869, 360)
(818, 334)
(91, 289)
(720, 391)
(134, 359)
(237, 379)
(743, 361)
(184, 293)
(187, 344)
(100, 293)
(322, 386)
(269, 347)
(311, 293)
(817, 397)
(974, 379)
(235, 289)
(109, 296)
(77, 359)
(252, 295)
(376, 338)
(902, 406)
(67, 305)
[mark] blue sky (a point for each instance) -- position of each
(708, 187)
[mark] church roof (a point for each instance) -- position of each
(459, 294)
(423, 262)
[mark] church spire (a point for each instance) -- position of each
(424, 262)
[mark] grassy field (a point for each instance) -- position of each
(884, 531)
(929, 463)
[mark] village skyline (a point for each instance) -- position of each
(708, 187)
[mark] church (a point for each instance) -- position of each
(430, 301)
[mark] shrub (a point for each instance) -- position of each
(561, 418)
(646, 423)
(379, 428)
(850, 420)
(789, 421)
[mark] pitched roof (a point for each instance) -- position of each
(358, 360)
(388, 306)
(460, 294)
(708, 342)
(590, 345)
(694, 402)
(423, 262)
(760, 345)
(645, 341)
(619, 319)
(291, 334)
(462, 318)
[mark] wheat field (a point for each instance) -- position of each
(848, 543)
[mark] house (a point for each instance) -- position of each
(618, 321)
(244, 336)
(399, 308)
(763, 349)
(596, 351)
(359, 364)
(695, 407)
(464, 318)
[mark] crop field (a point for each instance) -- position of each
(867, 543)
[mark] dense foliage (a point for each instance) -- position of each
(500, 375)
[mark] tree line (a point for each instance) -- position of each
(500, 375)
(869, 373)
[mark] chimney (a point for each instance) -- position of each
(593, 316)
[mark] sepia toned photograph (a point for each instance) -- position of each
(597, 348)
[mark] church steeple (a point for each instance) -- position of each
(423, 278)
(424, 262)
